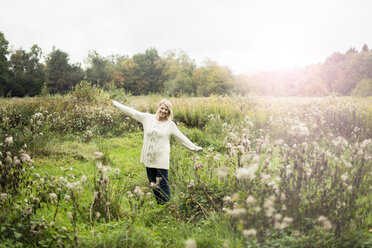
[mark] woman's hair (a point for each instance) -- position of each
(169, 105)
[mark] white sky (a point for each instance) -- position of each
(247, 36)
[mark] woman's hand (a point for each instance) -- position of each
(199, 149)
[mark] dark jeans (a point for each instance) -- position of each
(162, 192)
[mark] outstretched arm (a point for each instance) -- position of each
(135, 114)
(180, 137)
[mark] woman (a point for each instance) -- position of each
(156, 144)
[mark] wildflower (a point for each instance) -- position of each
(236, 212)
(257, 209)
(16, 161)
(265, 177)
(116, 171)
(269, 206)
(210, 149)
(138, 191)
(8, 160)
(227, 199)
(53, 197)
(191, 184)
(9, 141)
(222, 172)
(190, 243)
(62, 180)
(153, 185)
(64, 229)
(349, 188)
(247, 172)
(347, 164)
(340, 142)
(105, 169)
(99, 165)
(3, 196)
(69, 215)
(251, 200)
(323, 220)
(366, 143)
(299, 130)
(98, 214)
(83, 179)
(196, 157)
(296, 233)
(235, 197)
(279, 226)
(129, 194)
(158, 180)
(67, 197)
(70, 186)
(249, 232)
(26, 158)
(344, 176)
(198, 165)
(288, 220)
(51, 224)
(278, 217)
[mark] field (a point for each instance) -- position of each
(275, 172)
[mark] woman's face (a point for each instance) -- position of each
(163, 111)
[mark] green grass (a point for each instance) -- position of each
(153, 226)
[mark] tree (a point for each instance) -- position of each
(148, 71)
(365, 48)
(363, 88)
(128, 77)
(4, 65)
(100, 70)
(332, 70)
(61, 76)
(176, 74)
(27, 73)
(212, 79)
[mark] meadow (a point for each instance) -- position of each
(275, 172)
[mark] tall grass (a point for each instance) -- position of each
(291, 172)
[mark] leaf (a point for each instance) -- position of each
(17, 235)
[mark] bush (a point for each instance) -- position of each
(363, 88)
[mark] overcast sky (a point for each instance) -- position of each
(247, 36)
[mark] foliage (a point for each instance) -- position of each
(60, 75)
(275, 172)
(99, 69)
(363, 88)
(27, 72)
(4, 65)
(339, 74)
(176, 74)
(85, 91)
(212, 79)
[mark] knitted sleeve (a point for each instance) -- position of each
(135, 114)
(180, 137)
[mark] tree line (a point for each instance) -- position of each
(342, 74)
(27, 73)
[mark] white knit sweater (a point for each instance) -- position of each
(156, 138)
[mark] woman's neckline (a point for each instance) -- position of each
(156, 119)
